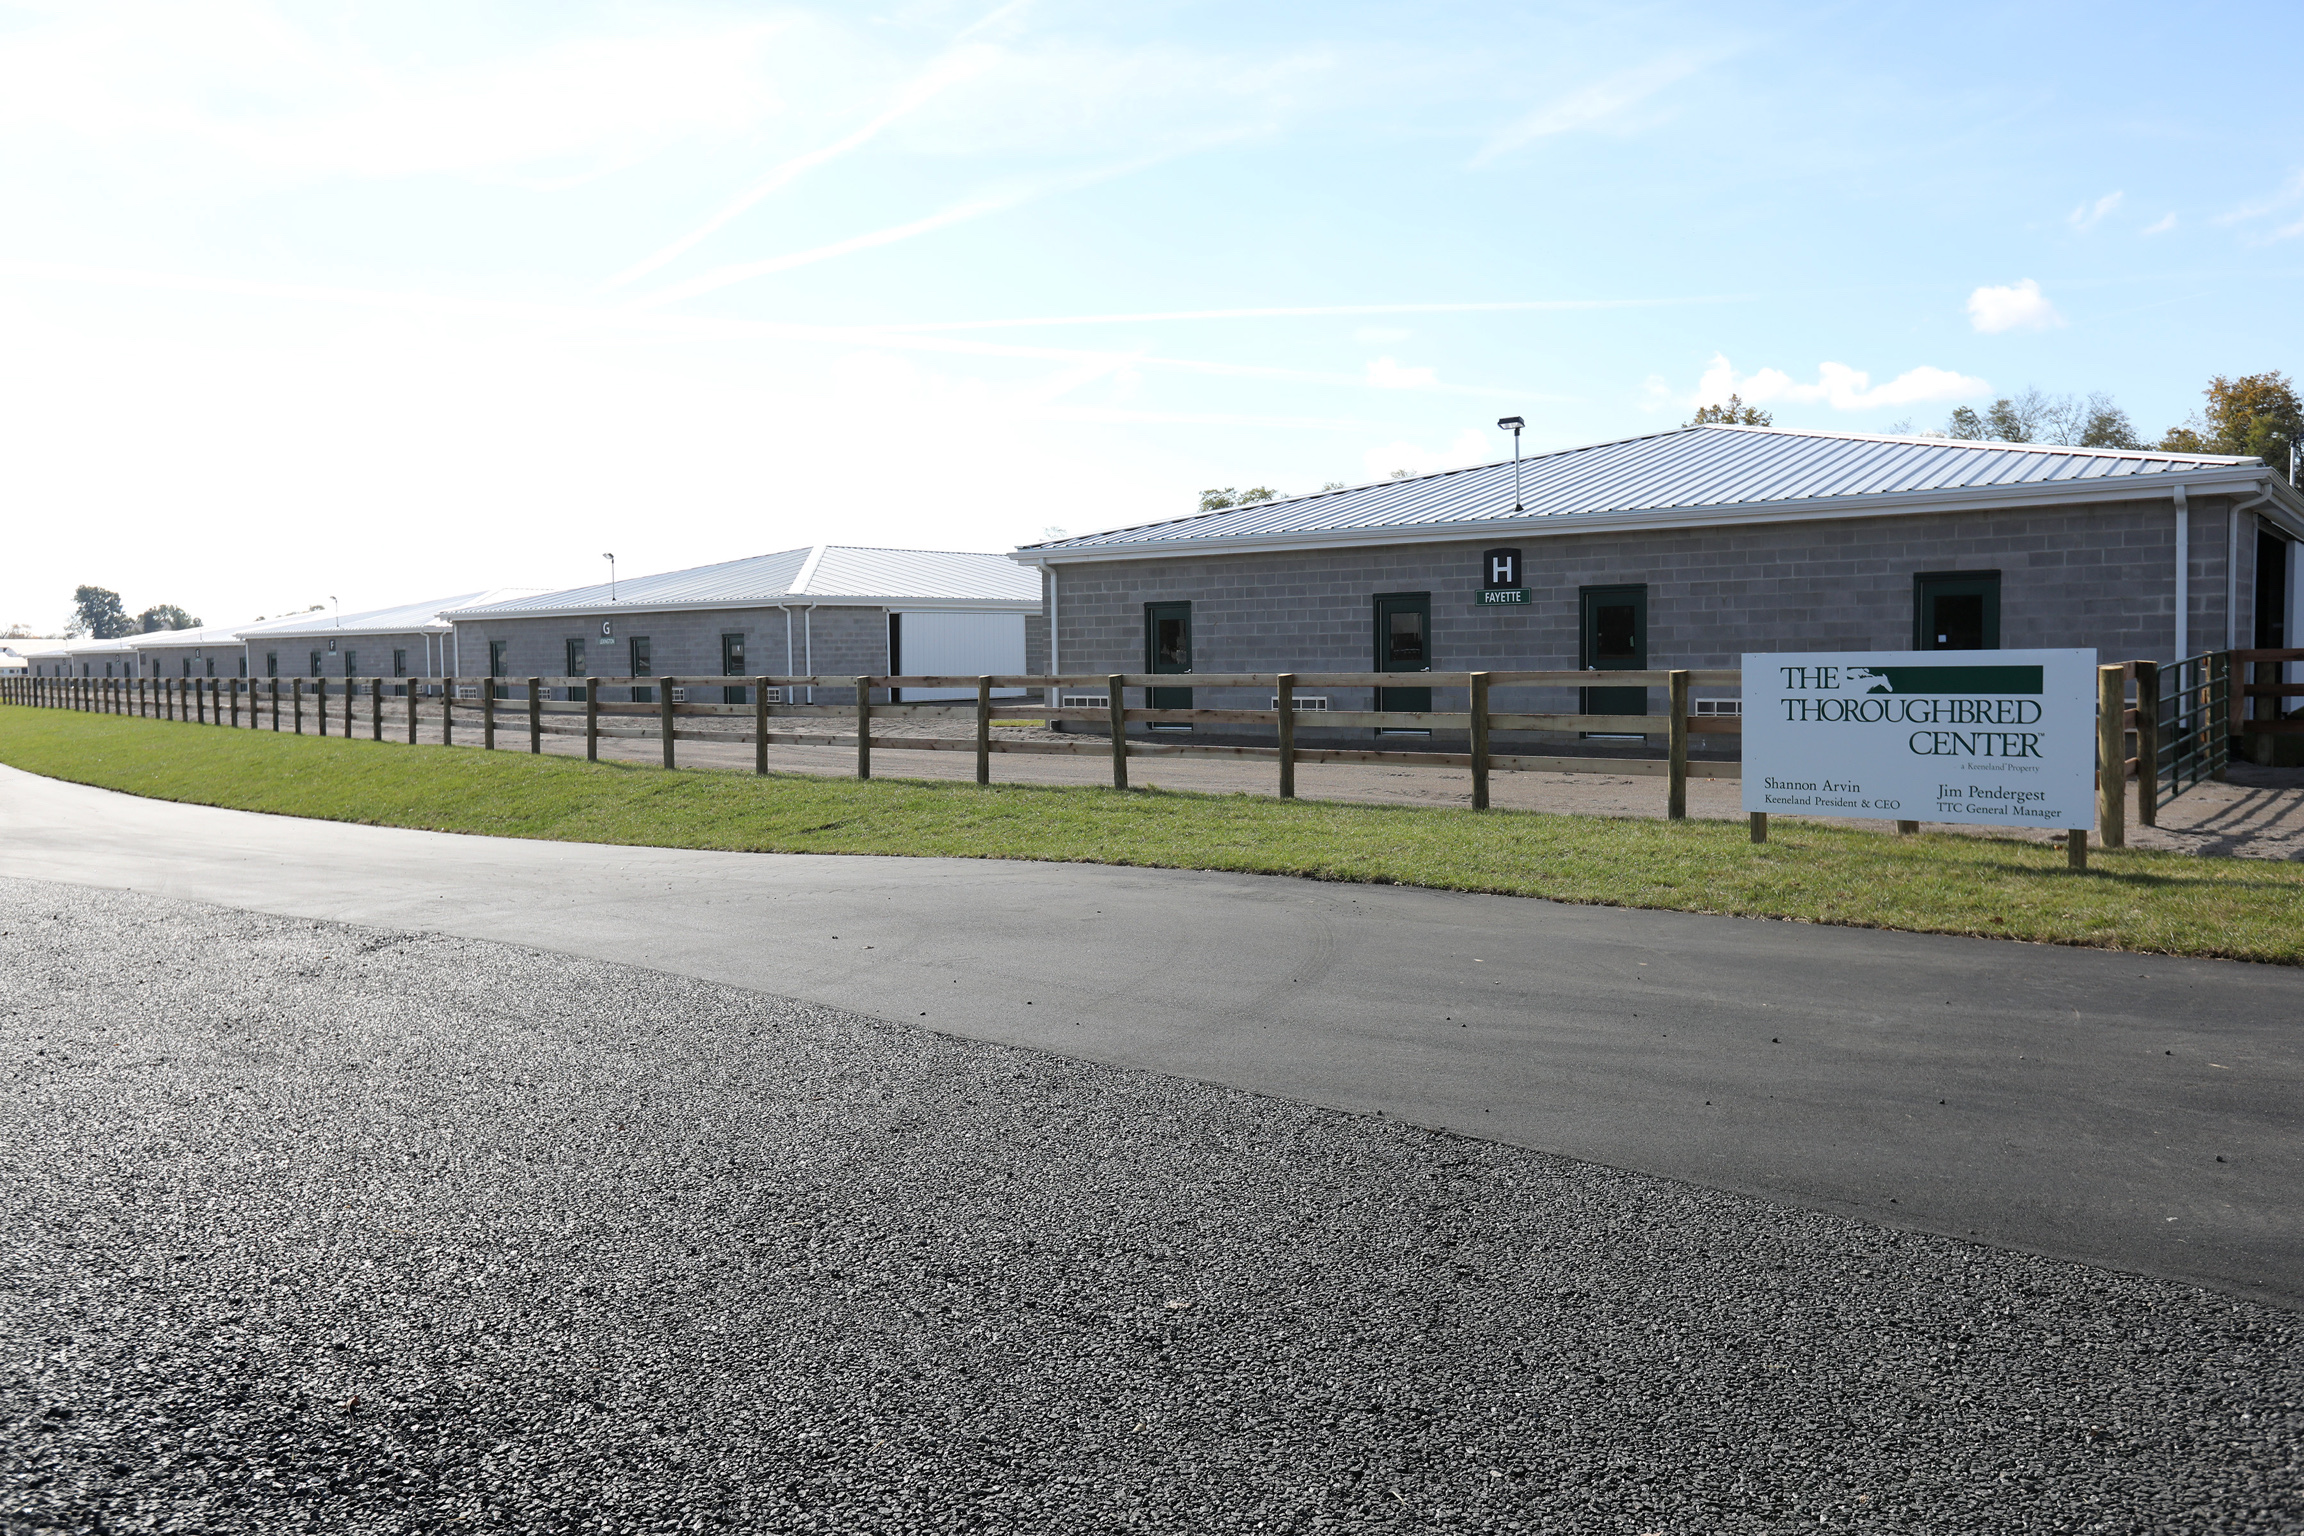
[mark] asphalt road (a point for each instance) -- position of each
(313, 1227)
(2130, 1111)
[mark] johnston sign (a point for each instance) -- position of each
(1999, 738)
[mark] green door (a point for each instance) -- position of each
(1615, 639)
(1956, 611)
(1168, 648)
(1404, 644)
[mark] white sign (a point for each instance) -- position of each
(1998, 738)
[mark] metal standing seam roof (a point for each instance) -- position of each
(825, 573)
(406, 619)
(1692, 470)
(207, 634)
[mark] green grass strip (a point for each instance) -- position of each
(2177, 904)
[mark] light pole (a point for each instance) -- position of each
(332, 597)
(611, 559)
(1513, 424)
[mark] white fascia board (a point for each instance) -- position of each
(429, 627)
(2238, 480)
(732, 605)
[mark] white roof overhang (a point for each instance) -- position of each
(736, 604)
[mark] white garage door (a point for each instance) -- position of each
(958, 645)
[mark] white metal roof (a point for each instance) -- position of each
(1691, 476)
(835, 574)
(406, 619)
(206, 635)
(83, 646)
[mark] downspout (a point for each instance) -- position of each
(808, 643)
(2183, 575)
(1055, 653)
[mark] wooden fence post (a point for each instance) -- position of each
(2148, 743)
(320, 703)
(376, 709)
(412, 691)
(201, 689)
(983, 730)
(664, 719)
(296, 702)
(488, 714)
(234, 685)
(447, 711)
(351, 697)
(1479, 707)
(1116, 704)
(2111, 756)
(535, 716)
(1759, 826)
(760, 725)
(863, 727)
(275, 704)
(2076, 848)
(591, 721)
(1676, 796)
(1284, 707)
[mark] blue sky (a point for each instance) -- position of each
(383, 300)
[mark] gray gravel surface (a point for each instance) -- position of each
(316, 1228)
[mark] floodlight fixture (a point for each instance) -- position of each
(1513, 424)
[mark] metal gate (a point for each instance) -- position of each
(2195, 711)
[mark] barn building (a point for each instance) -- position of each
(1689, 548)
(833, 610)
(411, 640)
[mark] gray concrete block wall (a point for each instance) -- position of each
(842, 641)
(1036, 644)
(2098, 575)
(169, 660)
(354, 655)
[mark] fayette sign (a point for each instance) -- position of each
(1999, 738)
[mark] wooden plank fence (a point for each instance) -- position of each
(2129, 746)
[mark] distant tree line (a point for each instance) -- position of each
(98, 614)
(2256, 415)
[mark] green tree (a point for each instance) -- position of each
(165, 616)
(2256, 415)
(2107, 426)
(2033, 416)
(1731, 413)
(98, 614)
(1217, 501)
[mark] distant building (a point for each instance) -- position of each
(832, 610)
(410, 640)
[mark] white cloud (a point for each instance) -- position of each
(955, 67)
(2088, 215)
(1469, 446)
(2167, 222)
(2290, 190)
(1841, 387)
(1594, 104)
(1384, 373)
(1377, 335)
(2021, 307)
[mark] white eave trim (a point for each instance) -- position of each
(2215, 480)
(731, 605)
